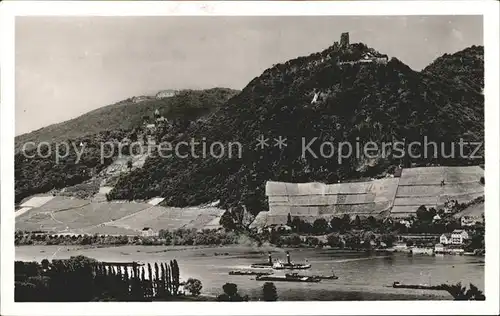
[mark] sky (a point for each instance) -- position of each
(67, 66)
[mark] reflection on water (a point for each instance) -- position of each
(356, 271)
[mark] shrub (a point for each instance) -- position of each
(320, 226)
(292, 240)
(269, 292)
(193, 286)
(231, 294)
(312, 241)
(334, 240)
(460, 293)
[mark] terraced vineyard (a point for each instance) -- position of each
(422, 186)
(310, 201)
(72, 215)
(397, 197)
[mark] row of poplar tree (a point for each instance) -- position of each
(81, 279)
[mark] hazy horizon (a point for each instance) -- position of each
(68, 66)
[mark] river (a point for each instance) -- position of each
(361, 276)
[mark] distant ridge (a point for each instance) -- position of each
(114, 123)
(123, 115)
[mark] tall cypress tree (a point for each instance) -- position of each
(144, 290)
(127, 283)
(118, 285)
(157, 280)
(136, 283)
(169, 279)
(171, 268)
(176, 277)
(163, 279)
(134, 270)
(150, 280)
(150, 272)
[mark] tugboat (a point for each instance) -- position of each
(265, 265)
(289, 265)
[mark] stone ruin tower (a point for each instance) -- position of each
(344, 40)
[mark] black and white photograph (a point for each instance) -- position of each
(215, 157)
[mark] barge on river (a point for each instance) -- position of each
(247, 272)
(398, 285)
(326, 277)
(320, 277)
(287, 278)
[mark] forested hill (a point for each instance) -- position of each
(365, 101)
(113, 123)
(130, 113)
(465, 67)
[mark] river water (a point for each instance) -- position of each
(361, 276)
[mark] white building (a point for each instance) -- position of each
(445, 239)
(166, 94)
(439, 248)
(436, 218)
(382, 59)
(139, 99)
(147, 232)
(366, 59)
(467, 221)
(422, 251)
(459, 236)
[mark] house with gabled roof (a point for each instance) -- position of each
(445, 239)
(459, 236)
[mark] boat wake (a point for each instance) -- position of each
(349, 260)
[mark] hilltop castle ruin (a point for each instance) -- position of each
(344, 40)
(370, 56)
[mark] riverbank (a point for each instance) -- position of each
(359, 242)
(332, 295)
(362, 275)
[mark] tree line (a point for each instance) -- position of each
(82, 279)
(423, 222)
(178, 237)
